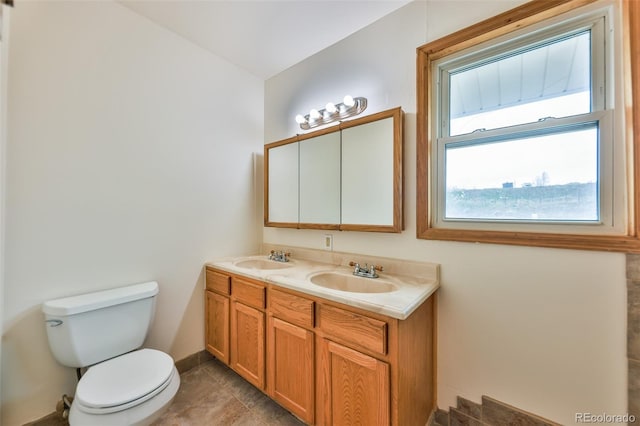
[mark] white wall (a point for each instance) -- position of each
(129, 159)
(5, 16)
(541, 329)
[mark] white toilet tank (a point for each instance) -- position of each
(89, 328)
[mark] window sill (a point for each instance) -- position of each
(612, 243)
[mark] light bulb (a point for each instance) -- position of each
(348, 101)
(300, 119)
(331, 108)
(314, 114)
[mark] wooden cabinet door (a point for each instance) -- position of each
(247, 343)
(217, 326)
(355, 387)
(291, 368)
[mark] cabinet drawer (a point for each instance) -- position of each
(359, 329)
(249, 293)
(218, 282)
(297, 310)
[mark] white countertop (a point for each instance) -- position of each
(410, 291)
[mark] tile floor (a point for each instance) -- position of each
(212, 394)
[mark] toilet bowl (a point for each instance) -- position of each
(123, 384)
(132, 389)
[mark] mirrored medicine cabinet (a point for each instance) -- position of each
(346, 177)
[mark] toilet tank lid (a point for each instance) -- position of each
(100, 299)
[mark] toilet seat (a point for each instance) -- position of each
(124, 381)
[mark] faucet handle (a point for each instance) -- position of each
(356, 266)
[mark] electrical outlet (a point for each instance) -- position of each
(328, 242)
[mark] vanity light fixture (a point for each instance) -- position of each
(349, 107)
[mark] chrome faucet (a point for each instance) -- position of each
(366, 271)
(279, 256)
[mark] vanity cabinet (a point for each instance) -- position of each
(327, 363)
(291, 368)
(217, 326)
(248, 300)
(291, 353)
(247, 343)
(217, 317)
(356, 387)
(354, 367)
(235, 324)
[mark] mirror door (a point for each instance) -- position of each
(367, 174)
(320, 181)
(281, 184)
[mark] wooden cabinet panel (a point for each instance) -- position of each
(217, 326)
(291, 368)
(249, 293)
(327, 363)
(351, 327)
(218, 282)
(356, 387)
(247, 343)
(292, 308)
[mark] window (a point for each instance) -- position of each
(521, 133)
(522, 129)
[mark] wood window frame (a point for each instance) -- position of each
(514, 19)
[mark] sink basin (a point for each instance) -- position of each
(261, 264)
(351, 283)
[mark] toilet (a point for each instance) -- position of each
(104, 331)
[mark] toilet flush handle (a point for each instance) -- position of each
(54, 322)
